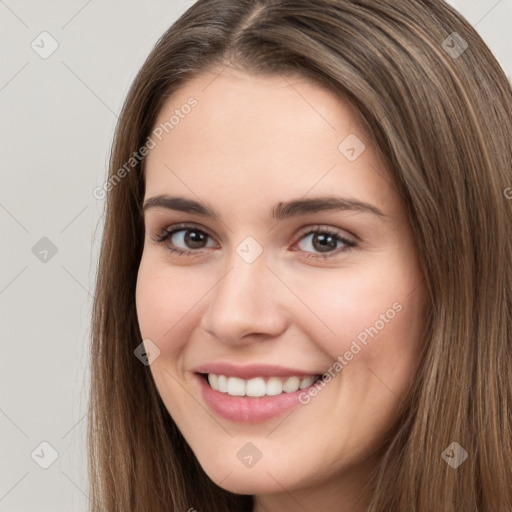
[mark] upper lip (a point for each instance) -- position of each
(252, 370)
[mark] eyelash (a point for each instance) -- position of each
(167, 233)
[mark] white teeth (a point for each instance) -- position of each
(291, 384)
(222, 383)
(258, 386)
(213, 380)
(274, 386)
(306, 382)
(255, 387)
(236, 386)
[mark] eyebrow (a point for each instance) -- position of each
(281, 211)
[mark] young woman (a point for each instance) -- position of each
(304, 296)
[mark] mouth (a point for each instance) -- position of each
(258, 386)
(252, 394)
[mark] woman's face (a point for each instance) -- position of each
(276, 251)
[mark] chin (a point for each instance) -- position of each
(247, 481)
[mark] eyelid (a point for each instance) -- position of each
(349, 241)
(169, 230)
(166, 233)
(304, 231)
(323, 228)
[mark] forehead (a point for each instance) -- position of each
(229, 100)
(252, 135)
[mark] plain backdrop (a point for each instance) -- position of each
(66, 67)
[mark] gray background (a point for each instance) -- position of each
(57, 121)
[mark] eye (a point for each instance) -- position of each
(323, 243)
(185, 239)
(189, 240)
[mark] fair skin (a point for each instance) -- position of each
(251, 143)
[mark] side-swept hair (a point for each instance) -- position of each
(442, 121)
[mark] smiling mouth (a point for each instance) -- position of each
(258, 386)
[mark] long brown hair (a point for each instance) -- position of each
(439, 108)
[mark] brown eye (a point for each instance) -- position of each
(323, 241)
(185, 239)
(195, 239)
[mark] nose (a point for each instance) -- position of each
(244, 306)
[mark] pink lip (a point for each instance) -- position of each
(252, 370)
(245, 409)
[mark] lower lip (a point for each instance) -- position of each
(244, 409)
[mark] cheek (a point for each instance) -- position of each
(367, 320)
(165, 300)
(378, 322)
(343, 303)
